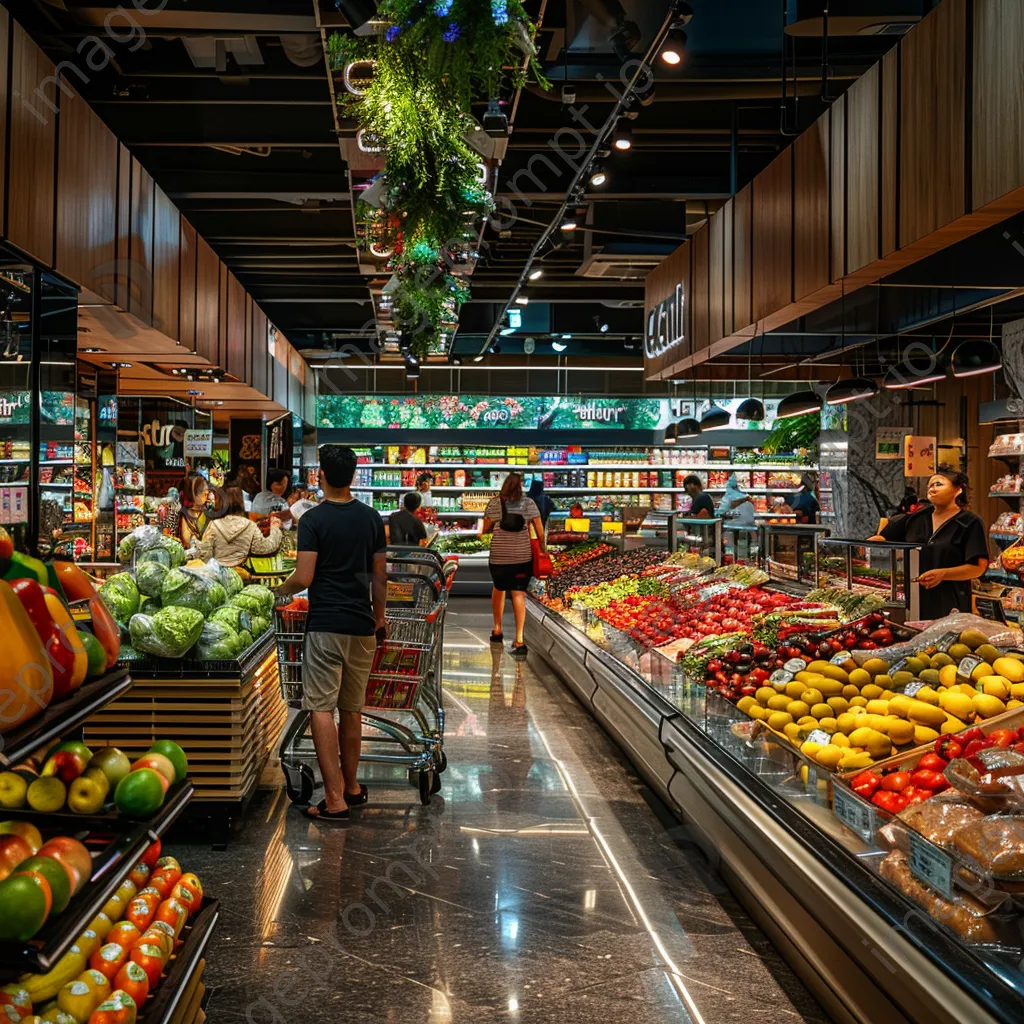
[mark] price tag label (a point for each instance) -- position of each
(968, 665)
(899, 666)
(819, 736)
(780, 675)
(931, 865)
(795, 665)
(854, 813)
(911, 688)
(841, 658)
(947, 640)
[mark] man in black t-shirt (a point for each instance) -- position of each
(701, 507)
(403, 526)
(342, 561)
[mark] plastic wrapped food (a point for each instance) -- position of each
(189, 588)
(940, 817)
(963, 915)
(168, 633)
(995, 845)
(217, 642)
(227, 578)
(995, 633)
(120, 594)
(147, 543)
(264, 595)
(149, 576)
(231, 615)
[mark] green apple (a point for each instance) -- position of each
(98, 776)
(46, 795)
(86, 796)
(12, 790)
(114, 764)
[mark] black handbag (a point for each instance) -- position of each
(511, 522)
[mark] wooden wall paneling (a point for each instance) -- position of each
(247, 340)
(743, 294)
(207, 301)
(699, 291)
(124, 224)
(86, 198)
(728, 277)
(773, 240)
(810, 208)
(222, 321)
(5, 38)
(997, 100)
(280, 372)
(166, 265)
(187, 290)
(932, 122)
(31, 216)
(862, 169)
(716, 277)
(837, 186)
(259, 350)
(661, 284)
(889, 184)
(140, 292)
(235, 322)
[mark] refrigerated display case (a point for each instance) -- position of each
(789, 553)
(885, 567)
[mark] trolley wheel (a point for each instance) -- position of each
(442, 762)
(299, 783)
(426, 785)
(435, 786)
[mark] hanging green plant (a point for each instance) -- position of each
(431, 60)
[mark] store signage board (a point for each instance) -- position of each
(989, 608)
(664, 328)
(198, 443)
(919, 452)
(889, 443)
(667, 293)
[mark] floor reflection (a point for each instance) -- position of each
(537, 886)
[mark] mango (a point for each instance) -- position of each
(928, 695)
(973, 638)
(941, 660)
(1010, 669)
(797, 708)
(900, 679)
(957, 704)
(875, 666)
(984, 669)
(812, 697)
(830, 756)
(916, 665)
(884, 681)
(836, 673)
(853, 759)
(794, 689)
(829, 687)
(872, 691)
(821, 710)
(959, 651)
(847, 723)
(809, 748)
(995, 686)
(818, 666)
(900, 705)
(988, 653)
(988, 706)
(808, 678)
(947, 675)
(859, 702)
(840, 704)
(1017, 690)
(779, 702)
(745, 702)
(952, 725)
(778, 720)
(923, 735)
(792, 731)
(807, 722)
(829, 724)
(859, 677)
(901, 731)
(849, 690)
(926, 714)
(929, 676)
(1014, 703)
(758, 712)
(840, 739)
(878, 707)
(764, 694)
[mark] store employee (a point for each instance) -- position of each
(954, 546)
(701, 507)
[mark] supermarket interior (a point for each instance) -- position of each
(447, 441)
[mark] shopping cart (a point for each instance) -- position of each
(404, 707)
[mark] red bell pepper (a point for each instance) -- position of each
(924, 778)
(889, 801)
(974, 733)
(915, 796)
(949, 747)
(933, 763)
(61, 656)
(1002, 737)
(866, 783)
(974, 746)
(896, 782)
(77, 586)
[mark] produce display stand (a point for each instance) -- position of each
(868, 953)
(226, 715)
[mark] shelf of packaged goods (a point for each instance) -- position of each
(64, 716)
(50, 485)
(129, 841)
(563, 466)
(1004, 494)
(1004, 535)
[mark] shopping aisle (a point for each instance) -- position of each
(542, 887)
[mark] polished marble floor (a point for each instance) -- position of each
(543, 884)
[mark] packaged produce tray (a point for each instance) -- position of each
(150, 665)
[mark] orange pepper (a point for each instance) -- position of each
(26, 680)
(77, 585)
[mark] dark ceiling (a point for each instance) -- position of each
(227, 103)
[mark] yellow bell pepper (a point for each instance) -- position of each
(69, 636)
(26, 678)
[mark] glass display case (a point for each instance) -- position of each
(789, 552)
(700, 537)
(887, 568)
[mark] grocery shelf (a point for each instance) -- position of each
(110, 869)
(1005, 494)
(562, 466)
(63, 716)
(1004, 535)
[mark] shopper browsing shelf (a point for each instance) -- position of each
(510, 517)
(544, 504)
(233, 537)
(954, 548)
(342, 561)
(701, 506)
(193, 492)
(736, 504)
(273, 499)
(403, 526)
(805, 503)
(423, 484)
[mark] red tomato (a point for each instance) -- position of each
(925, 779)
(150, 959)
(889, 801)
(133, 980)
(896, 782)
(933, 762)
(109, 959)
(865, 784)
(152, 854)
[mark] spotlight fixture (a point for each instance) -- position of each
(456, 360)
(522, 300)
(494, 122)
(687, 428)
(121, 366)
(971, 358)
(559, 346)
(751, 409)
(566, 337)
(568, 224)
(715, 418)
(412, 368)
(670, 433)
(359, 14)
(798, 404)
(478, 358)
(93, 350)
(536, 274)
(506, 331)
(853, 389)
(675, 44)
(622, 139)
(598, 176)
(600, 324)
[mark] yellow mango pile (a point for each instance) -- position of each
(867, 717)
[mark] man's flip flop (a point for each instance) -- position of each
(322, 814)
(358, 799)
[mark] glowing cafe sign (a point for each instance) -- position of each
(665, 327)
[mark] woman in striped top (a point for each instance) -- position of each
(510, 517)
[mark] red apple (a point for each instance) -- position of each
(13, 850)
(67, 765)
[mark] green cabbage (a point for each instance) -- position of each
(148, 605)
(121, 595)
(158, 556)
(252, 604)
(262, 594)
(234, 583)
(260, 624)
(126, 548)
(244, 640)
(149, 575)
(231, 615)
(217, 642)
(187, 588)
(168, 633)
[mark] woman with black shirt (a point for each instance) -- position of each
(954, 547)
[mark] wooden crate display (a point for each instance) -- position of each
(227, 727)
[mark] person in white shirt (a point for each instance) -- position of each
(423, 482)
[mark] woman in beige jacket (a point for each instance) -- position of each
(233, 537)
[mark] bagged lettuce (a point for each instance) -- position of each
(260, 624)
(149, 577)
(148, 544)
(168, 633)
(148, 605)
(263, 594)
(231, 615)
(244, 640)
(252, 604)
(190, 588)
(121, 596)
(227, 578)
(217, 642)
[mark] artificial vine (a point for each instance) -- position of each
(431, 60)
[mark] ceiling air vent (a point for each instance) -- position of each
(618, 267)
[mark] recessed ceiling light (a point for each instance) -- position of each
(535, 274)
(522, 300)
(558, 346)
(90, 351)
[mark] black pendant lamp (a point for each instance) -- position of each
(715, 418)
(798, 404)
(671, 432)
(853, 389)
(751, 409)
(971, 358)
(688, 428)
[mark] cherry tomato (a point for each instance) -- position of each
(109, 959)
(133, 980)
(150, 959)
